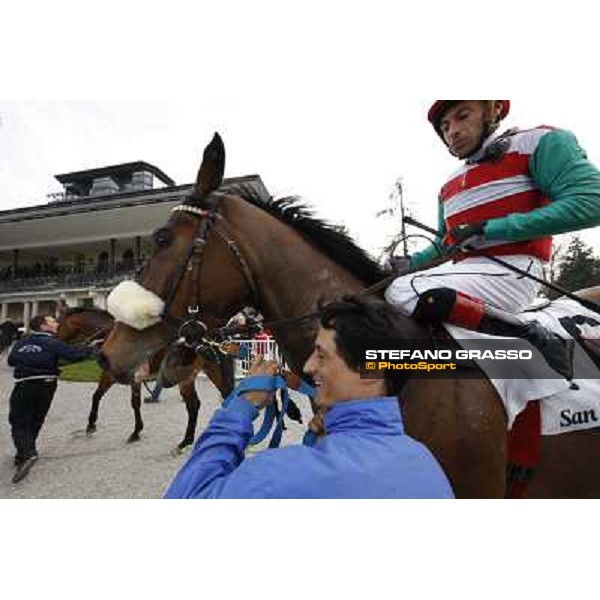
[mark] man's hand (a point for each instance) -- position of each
(399, 264)
(261, 367)
(462, 233)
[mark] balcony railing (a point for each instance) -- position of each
(65, 280)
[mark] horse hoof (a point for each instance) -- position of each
(79, 433)
(90, 430)
(134, 437)
(179, 450)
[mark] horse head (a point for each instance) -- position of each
(83, 325)
(192, 275)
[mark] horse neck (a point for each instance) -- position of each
(291, 273)
(292, 276)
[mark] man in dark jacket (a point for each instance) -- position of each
(35, 360)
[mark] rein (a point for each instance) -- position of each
(461, 246)
(95, 336)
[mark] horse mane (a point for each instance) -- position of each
(333, 240)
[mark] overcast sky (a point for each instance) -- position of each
(324, 103)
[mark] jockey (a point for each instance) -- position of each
(513, 191)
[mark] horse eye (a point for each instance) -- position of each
(163, 238)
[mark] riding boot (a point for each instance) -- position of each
(557, 351)
(445, 305)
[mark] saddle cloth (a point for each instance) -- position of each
(563, 408)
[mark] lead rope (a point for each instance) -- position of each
(266, 383)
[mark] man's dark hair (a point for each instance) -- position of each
(354, 321)
(37, 322)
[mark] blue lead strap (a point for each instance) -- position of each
(285, 399)
(306, 389)
(309, 439)
(266, 383)
(156, 392)
(257, 383)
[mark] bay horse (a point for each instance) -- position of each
(80, 325)
(277, 257)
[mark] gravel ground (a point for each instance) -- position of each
(104, 465)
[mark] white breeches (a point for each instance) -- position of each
(478, 277)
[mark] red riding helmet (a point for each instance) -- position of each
(440, 106)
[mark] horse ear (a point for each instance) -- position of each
(210, 174)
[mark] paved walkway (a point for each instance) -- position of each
(104, 465)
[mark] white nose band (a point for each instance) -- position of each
(134, 305)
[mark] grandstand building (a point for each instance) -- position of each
(86, 239)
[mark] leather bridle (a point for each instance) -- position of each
(193, 329)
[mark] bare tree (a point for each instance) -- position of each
(395, 210)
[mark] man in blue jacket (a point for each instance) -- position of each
(35, 360)
(364, 452)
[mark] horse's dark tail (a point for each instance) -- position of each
(9, 332)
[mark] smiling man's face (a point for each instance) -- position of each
(334, 379)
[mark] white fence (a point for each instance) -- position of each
(253, 349)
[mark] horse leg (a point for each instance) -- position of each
(568, 466)
(105, 383)
(221, 374)
(192, 405)
(136, 405)
(462, 422)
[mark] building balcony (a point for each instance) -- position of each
(66, 279)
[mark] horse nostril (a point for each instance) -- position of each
(103, 361)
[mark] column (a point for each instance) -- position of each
(35, 308)
(100, 300)
(113, 243)
(71, 300)
(138, 250)
(4, 312)
(26, 314)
